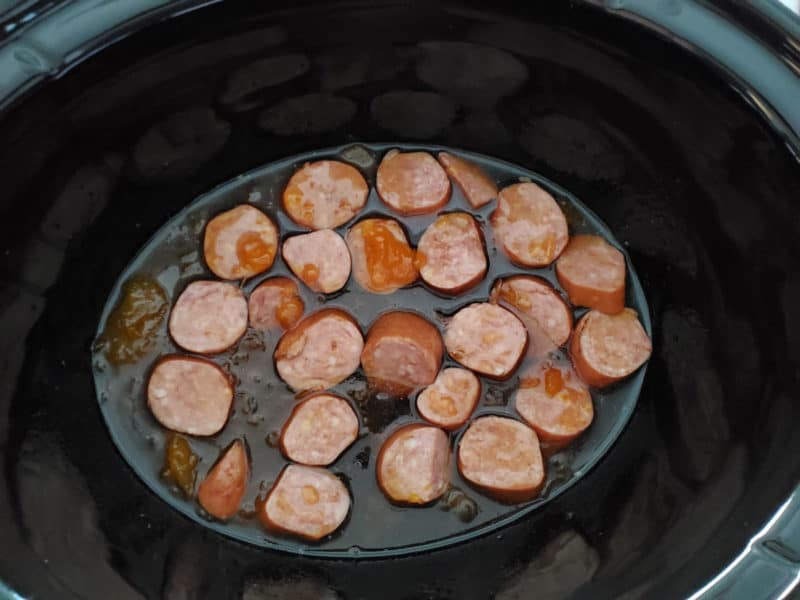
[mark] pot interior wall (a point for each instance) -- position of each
(663, 148)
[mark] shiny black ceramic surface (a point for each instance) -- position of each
(692, 170)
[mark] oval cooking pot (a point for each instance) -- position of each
(675, 121)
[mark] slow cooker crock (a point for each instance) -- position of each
(676, 121)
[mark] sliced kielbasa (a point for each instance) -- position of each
(318, 430)
(476, 185)
(209, 317)
(501, 457)
(325, 194)
(320, 259)
(189, 395)
(536, 299)
(412, 183)
(449, 401)
(320, 351)
(554, 401)
(529, 225)
(383, 260)
(592, 272)
(308, 502)
(240, 243)
(403, 351)
(412, 466)
(607, 348)
(487, 339)
(221, 492)
(275, 304)
(451, 254)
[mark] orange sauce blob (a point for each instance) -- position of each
(553, 381)
(253, 253)
(289, 311)
(391, 263)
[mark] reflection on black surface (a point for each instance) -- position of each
(413, 115)
(242, 89)
(702, 426)
(61, 519)
(180, 144)
(474, 75)
(287, 590)
(681, 169)
(307, 115)
(561, 567)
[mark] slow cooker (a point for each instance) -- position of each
(675, 121)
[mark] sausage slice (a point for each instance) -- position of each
(320, 259)
(318, 430)
(412, 465)
(320, 351)
(275, 304)
(501, 457)
(412, 183)
(240, 243)
(403, 351)
(476, 185)
(592, 272)
(189, 395)
(209, 317)
(383, 260)
(221, 492)
(607, 348)
(554, 402)
(325, 194)
(487, 339)
(308, 502)
(452, 258)
(536, 299)
(529, 225)
(449, 401)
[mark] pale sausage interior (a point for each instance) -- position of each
(390, 340)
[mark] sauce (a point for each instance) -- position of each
(133, 326)
(180, 464)
(253, 253)
(391, 262)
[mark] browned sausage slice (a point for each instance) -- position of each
(320, 259)
(412, 465)
(320, 351)
(554, 402)
(189, 395)
(325, 194)
(308, 502)
(501, 457)
(487, 339)
(476, 185)
(592, 272)
(383, 260)
(412, 183)
(452, 258)
(209, 317)
(222, 490)
(537, 300)
(240, 243)
(449, 401)
(318, 430)
(275, 304)
(403, 351)
(529, 225)
(607, 348)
